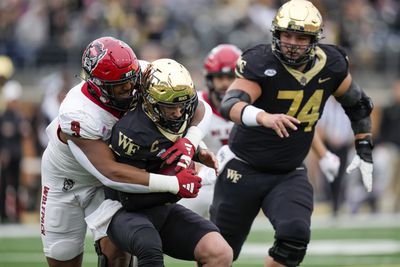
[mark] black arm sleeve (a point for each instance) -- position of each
(358, 107)
(361, 126)
(230, 99)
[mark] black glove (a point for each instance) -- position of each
(364, 148)
(363, 160)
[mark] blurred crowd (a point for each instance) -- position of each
(40, 32)
(41, 43)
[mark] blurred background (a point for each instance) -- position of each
(41, 43)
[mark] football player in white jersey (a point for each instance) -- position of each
(219, 69)
(70, 193)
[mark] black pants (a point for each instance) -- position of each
(170, 229)
(240, 193)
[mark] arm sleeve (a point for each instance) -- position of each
(85, 162)
(204, 124)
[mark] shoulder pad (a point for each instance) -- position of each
(337, 59)
(253, 62)
(81, 124)
(342, 51)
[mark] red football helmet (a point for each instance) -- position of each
(108, 62)
(221, 61)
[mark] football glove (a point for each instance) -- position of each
(189, 183)
(363, 161)
(182, 148)
(185, 183)
(329, 165)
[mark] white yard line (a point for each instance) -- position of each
(261, 223)
(334, 247)
(19, 230)
(342, 222)
(255, 251)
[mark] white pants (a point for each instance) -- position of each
(65, 203)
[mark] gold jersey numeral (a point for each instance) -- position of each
(310, 112)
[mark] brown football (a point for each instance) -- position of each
(170, 169)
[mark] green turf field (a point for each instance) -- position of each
(332, 246)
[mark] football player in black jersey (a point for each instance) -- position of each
(219, 70)
(151, 224)
(275, 101)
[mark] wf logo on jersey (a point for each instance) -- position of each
(93, 54)
(127, 144)
(233, 175)
(240, 64)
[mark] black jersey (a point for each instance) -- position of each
(286, 90)
(137, 141)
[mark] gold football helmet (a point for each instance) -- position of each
(167, 83)
(297, 16)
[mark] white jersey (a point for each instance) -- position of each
(80, 115)
(69, 193)
(219, 129)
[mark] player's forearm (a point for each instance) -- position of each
(124, 173)
(118, 176)
(236, 112)
(202, 120)
(123, 177)
(200, 124)
(357, 105)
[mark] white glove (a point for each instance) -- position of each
(363, 160)
(329, 165)
(366, 171)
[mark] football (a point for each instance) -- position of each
(170, 169)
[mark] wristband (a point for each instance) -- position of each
(249, 115)
(194, 135)
(203, 145)
(163, 183)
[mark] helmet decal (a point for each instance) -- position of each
(93, 54)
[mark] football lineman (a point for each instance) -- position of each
(219, 69)
(77, 162)
(152, 224)
(275, 101)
